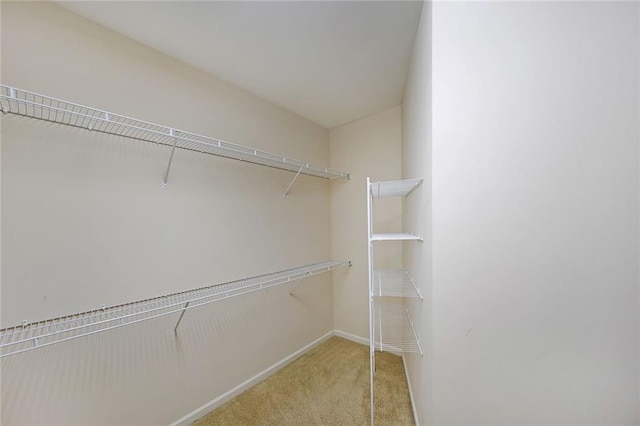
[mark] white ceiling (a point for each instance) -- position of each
(331, 62)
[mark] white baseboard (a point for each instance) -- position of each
(212, 405)
(365, 341)
(413, 402)
(352, 337)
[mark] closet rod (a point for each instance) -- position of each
(29, 336)
(34, 105)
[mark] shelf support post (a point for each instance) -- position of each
(175, 330)
(286, 191)
(165, 183)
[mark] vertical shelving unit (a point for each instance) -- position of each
(390, 325)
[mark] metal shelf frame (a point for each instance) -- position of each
(34, 105)
(390, 326)
(29, 336)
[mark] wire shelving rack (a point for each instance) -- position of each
(390, 325)
(34, 105)
(29, 336)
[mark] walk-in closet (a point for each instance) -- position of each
(319, 213)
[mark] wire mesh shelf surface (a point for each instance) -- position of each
(26, 337)
(395, 283)
(393, 328)
(29, 104)
(394, 188)
(395, 237)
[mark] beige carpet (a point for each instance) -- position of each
(327, 386)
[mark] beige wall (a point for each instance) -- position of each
(417, 210)
(369, 147)
(531, 298)
(85, 222)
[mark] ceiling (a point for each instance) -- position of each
(331, 62)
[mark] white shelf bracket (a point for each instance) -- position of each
(286, 191)
(165, 181)
(297, 284)
(184, 309)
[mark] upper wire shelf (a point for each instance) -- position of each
(395, 283)
(29, 104)
(29, 336)
(395, 237)
(394, 188)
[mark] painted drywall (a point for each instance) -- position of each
(369, 147)
(416, 210)
(86, 222)
(535, 110)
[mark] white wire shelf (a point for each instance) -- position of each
(394, 283)
(393, 328)
(22, 338)
(394, 188)
(29, 104)
(395, 237)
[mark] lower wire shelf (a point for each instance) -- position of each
(393, 328)
(29, 336)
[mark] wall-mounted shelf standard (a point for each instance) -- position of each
(394, 283)
(29, 104)
(390, 325)
(29, 336)
(393, 330)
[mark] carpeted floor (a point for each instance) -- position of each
(327, 386)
